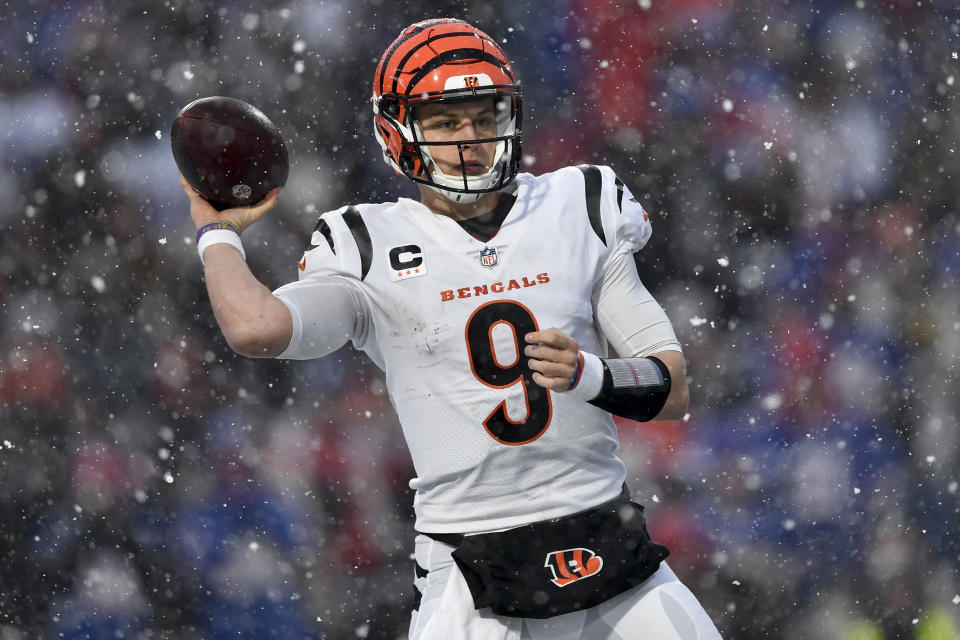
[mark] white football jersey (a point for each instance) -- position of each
(445, 315)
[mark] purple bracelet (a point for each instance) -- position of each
(577, 371)
(220, 224)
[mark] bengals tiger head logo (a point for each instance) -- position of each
(571, 565)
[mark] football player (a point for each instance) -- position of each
(490, 304)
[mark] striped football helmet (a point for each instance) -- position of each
(437, 61)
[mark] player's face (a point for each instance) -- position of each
(471, 120)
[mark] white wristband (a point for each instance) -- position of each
(591, 379)
(219, 236)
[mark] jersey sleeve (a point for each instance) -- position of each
(339, 245)
(627, 314)
(327, 303)
(626, 224)
(327, 311)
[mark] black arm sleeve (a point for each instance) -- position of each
(633, 388)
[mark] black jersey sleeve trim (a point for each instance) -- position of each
(324, 230)
(361, 236)
(617, 181)
(592, 186)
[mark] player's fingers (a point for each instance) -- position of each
(552, 369)
(254, 212)
(269, 202)
(542, 352)
(190, 191)
(184, 184)
(243, 217)
(555, 384)
(552, 337)
(200, 210)
(540, 379)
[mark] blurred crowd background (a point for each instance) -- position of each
(799, 159)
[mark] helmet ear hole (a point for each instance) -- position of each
(389, 106)
(409, 162)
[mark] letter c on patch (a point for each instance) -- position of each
(405, 257)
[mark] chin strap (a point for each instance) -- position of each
(442, 181)
(456, 196)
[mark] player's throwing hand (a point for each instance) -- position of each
(204, 213)
(553, 358)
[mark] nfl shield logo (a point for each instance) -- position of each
(488, 257)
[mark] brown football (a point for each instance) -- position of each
(229, 151)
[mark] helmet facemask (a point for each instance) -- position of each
(417, 163)
(461, 186)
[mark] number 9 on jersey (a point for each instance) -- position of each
(487, 369)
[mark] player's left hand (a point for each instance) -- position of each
(553, 358)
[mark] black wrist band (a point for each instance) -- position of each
(633, 388)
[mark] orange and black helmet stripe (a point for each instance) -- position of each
(463, 48)
(413, 30)
(453, 56)
(425, 43)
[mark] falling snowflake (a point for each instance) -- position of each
(772, 401)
